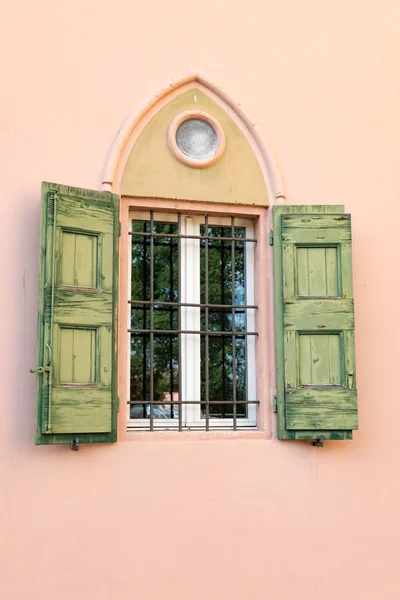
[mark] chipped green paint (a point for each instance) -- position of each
(77, 324)
(321, 408)
(314, 319)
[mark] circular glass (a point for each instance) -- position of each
(197, 139)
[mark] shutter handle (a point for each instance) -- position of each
(350, 380)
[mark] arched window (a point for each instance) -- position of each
(188, 188)
(191, 309)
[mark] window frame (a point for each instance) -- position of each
(190, 349)
(264, 345)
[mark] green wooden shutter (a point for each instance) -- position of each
(314, 316)
(77, 325)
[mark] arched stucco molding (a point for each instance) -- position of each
(135, 123)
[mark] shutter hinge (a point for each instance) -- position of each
(275, 405)
(51, 196)
(271, 238)
(119, 228)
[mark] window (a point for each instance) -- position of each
(196, 139)
(147, 308)
(192, 322)
(192, 316)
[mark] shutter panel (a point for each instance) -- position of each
(314, 309)
(77, 357)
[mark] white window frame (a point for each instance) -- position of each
(191, 343)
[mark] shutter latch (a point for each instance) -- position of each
(40, 370)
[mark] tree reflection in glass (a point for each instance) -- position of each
(165, 346)
(220, 356)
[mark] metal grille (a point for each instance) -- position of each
(151, 307)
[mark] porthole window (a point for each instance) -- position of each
(196, 139)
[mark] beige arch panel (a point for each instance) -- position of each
(152, 170)
(141, 164)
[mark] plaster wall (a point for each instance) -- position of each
(244, 519)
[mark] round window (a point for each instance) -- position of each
(196, 139)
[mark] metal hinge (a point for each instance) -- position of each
(119, 228)
(275, 405)
(51, 196)
(271, 238)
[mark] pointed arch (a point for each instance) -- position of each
(135, 123)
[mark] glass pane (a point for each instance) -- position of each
(140, 374)
(140, 267)
(165, 262)
(197, 139)
(165, 346)
(220, 356)
(220, 365)
(165, 376)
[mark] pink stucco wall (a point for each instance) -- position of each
(238, 519)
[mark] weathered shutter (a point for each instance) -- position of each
(77, 356)
(314, 314)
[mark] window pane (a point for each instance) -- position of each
(165, 262)
(140, 374)
(165, 347)
(220, 375)
(165, 373)
(165, 377)
(140, 267)
(220, 357)
(150, 307)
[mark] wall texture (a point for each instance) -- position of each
(238, 519)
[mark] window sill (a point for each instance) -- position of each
(190, 436)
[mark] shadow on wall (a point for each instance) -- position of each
(22, 414)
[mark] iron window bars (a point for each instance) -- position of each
(147, 240)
